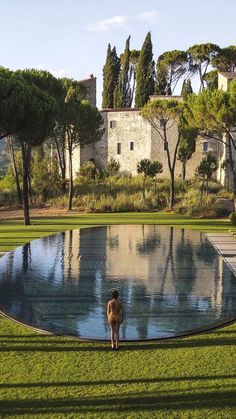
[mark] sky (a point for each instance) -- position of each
(69, 37)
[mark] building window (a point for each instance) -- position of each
(205, 146)
(131, 145)
(112, 124)
(118, 148)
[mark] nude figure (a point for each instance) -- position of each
(115, 318)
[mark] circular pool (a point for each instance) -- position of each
(172, 282)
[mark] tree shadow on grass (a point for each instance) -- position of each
(135, 402)
(46, 344)
(89, 383)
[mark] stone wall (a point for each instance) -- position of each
(91, 89)
(222, 82)
(125, 126)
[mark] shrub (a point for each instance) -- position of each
(206, 208)
(232, 218)
(214, 187)
(46, 180)
(87, 173)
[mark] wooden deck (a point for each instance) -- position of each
(225, 244)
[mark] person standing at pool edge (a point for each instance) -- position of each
(115, 318)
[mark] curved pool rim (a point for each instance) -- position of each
(47, 332)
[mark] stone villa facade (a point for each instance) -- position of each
(128, 138)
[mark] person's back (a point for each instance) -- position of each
(115, 307)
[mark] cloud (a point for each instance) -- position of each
(121, 21)
(149, 16)
(106, 24)
(59, 73)
(62, 72)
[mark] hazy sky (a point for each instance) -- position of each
(70, 37)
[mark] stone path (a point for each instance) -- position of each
(225, 244)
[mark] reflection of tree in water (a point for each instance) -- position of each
(149, 243)
(140, 310)
(169, 263)
(113, 241)
(55, 293)
(12, 290)
(185, 268)
(178, 266)
(205, 251)
(26, 257)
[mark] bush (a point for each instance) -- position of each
(7, 197)
(232, 218)
(192, 205)
(87, 173)
(214, 187)
(46, 180)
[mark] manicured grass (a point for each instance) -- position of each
(13, 233)
(52, 377)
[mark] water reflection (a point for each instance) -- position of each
(171, 282)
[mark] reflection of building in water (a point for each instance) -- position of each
(123, 255)
(147, 255)
(83, 254)
(153, 261)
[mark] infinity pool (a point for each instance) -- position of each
(172, 282)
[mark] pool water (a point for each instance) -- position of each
(171, 282)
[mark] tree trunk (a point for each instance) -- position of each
(71, 183)
(25, 166)
(144, 186)
(172, 189)
(202, 186)
(14, 169)
(62, 165)
(183, 171)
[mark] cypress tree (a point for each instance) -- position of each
(145, 73)
(122, 91)
(186, 88)
(111, 71)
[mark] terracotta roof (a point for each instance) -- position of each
(228, 74)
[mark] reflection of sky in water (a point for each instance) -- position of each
(171, 282)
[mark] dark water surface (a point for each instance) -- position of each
(171, 282)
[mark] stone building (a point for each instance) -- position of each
(128, 138)
(224, 174)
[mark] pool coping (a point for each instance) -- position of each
(219, 247)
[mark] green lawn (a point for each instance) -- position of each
(52, 377)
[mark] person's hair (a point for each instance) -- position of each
(115, 294)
